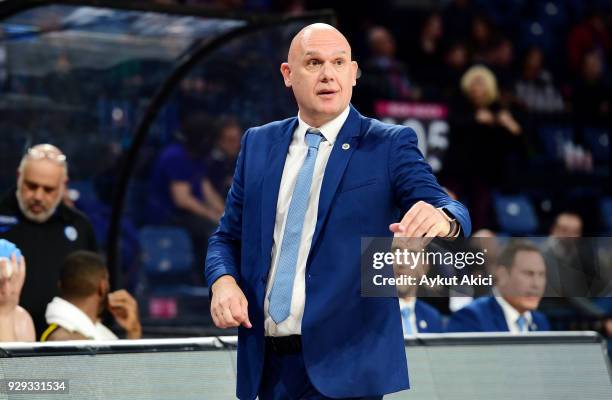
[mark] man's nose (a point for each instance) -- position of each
(38, 194)
(327, 72)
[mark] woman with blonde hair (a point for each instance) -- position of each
(479, 85)
(484, 139)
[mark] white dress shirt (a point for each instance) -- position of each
(293, 163)
(511, 314)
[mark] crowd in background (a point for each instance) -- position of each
(509, 72)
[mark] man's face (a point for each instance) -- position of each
(321, 74)
(478, 92)
(523, 284)
(40, 188)
(567, 226)
(230, 140)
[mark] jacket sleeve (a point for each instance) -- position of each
(223, 256)
(413, 179)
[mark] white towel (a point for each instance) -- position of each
(71, 318)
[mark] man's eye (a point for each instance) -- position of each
(312, 63)
(340, 62)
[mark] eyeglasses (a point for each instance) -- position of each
(50, 153)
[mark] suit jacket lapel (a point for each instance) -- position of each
(275, 164)
(336, 165)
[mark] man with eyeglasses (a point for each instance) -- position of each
(35, 219)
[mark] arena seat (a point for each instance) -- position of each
(515, 215)
(165, 250)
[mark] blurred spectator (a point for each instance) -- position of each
(484, 138)
(486, 240)
(591, 99)
(16, 324)
(222, 159)
(61, 84)
(383, 76)
(571, 262)
(535, 89)
(500, 59)
(84, 297)
(481, 38)
(591, 35)
(567, 225)
(417, 315)
(458, 18)
(34, 218)
(425, 60)
(455, 61)
(520, 284)
(180, 189)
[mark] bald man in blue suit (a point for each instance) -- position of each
(284, 264)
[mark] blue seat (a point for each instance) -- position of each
(538, 34)
(86, 191)
(165, 251)
(598, 142)
(553, 138)
(515, 215)
(606, 213)
(167, 258)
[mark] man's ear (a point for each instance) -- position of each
(102, 288)
(502, 275)
(355, 68)
(285, 70)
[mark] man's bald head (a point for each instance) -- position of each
(301, 39)
(321, 73)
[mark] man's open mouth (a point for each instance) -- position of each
(326, 92)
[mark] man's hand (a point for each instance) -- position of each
(125, 311)
(422, 220)
(12, 276)
(229, 306)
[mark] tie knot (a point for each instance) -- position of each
(313, 138)
(405, 312)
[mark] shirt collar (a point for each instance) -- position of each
(510, 313)
(329, 130)
(407, 303)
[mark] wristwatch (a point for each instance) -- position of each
(455, 228)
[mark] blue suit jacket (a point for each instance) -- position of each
(486, 315)
(428, 318)
(352, 346)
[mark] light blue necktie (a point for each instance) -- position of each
(522, 323)
(406, 321)
(282, 287)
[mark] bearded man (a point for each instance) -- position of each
(35, 219)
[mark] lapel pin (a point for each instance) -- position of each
(346, 146)
(423, 324)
